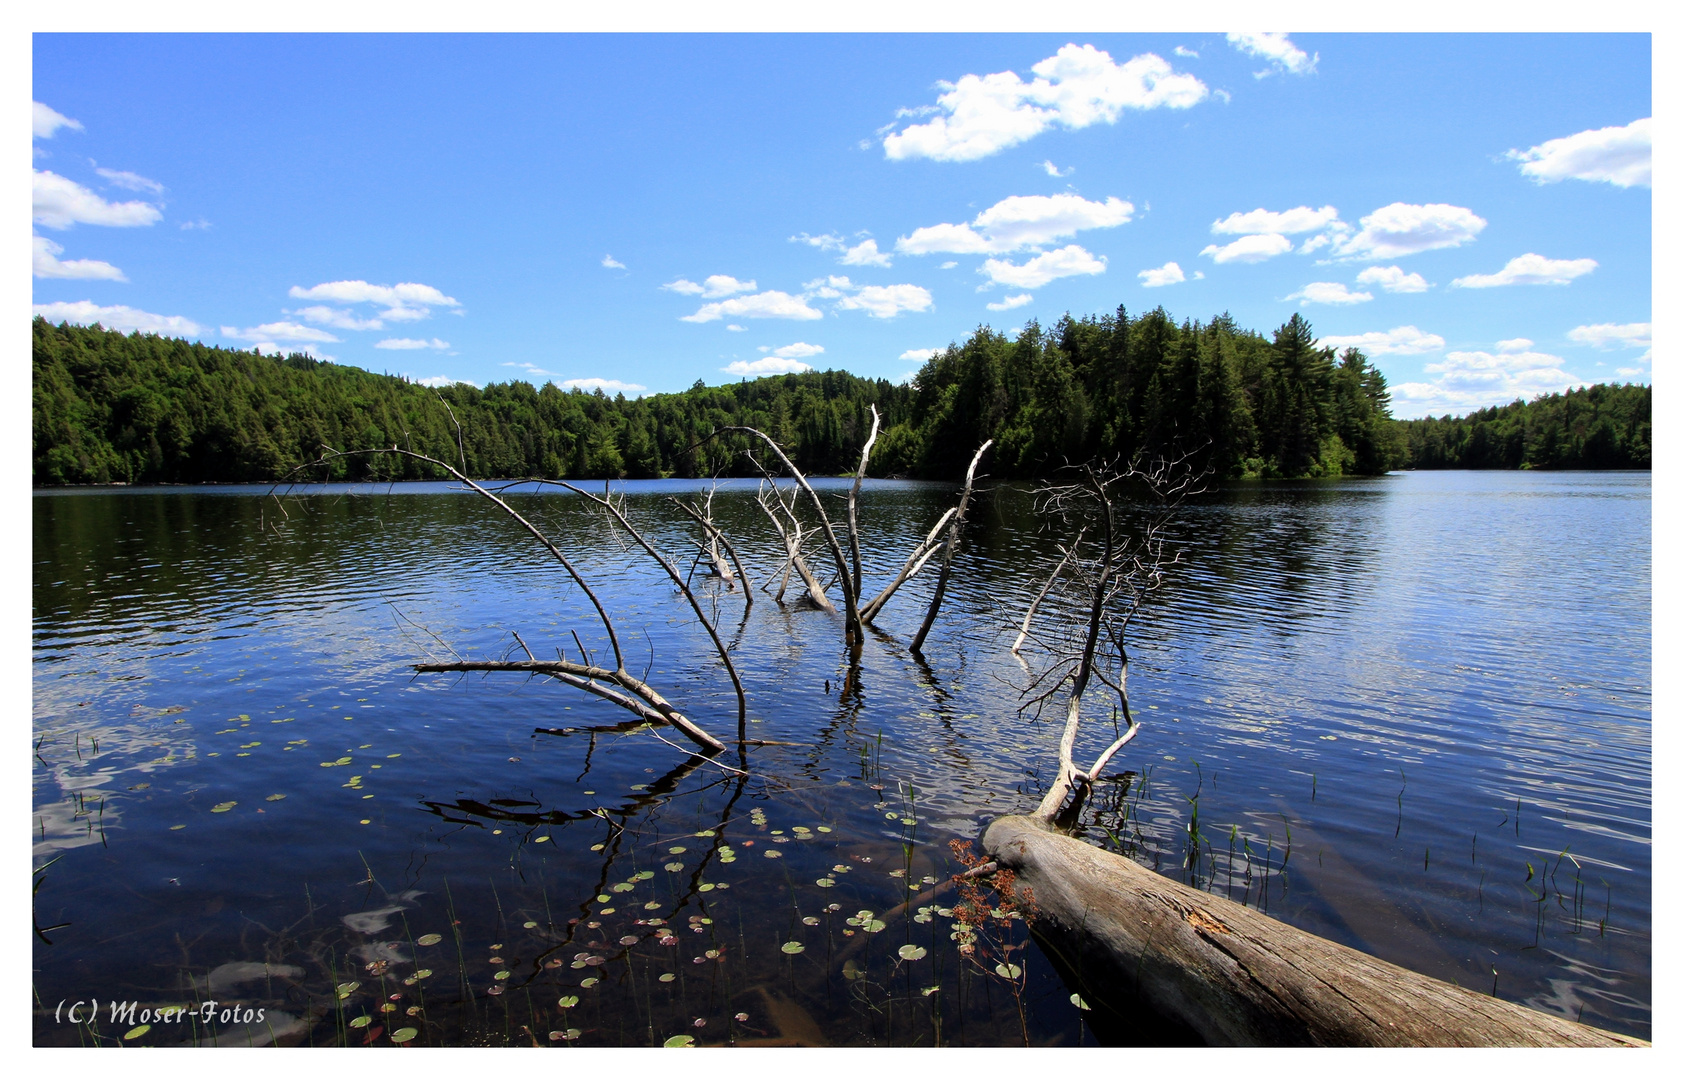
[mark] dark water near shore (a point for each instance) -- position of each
(1414, 713)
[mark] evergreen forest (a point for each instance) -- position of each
(139, 409)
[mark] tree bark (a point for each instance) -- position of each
(1153, 957)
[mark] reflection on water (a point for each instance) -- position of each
(1410, 714)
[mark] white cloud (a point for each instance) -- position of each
(1299, 219)
(1475, 380)
(714, 286)
(278, 331)
(1017, 223)
(1529, 269)
(1635, 335)
(339, 318)
(1278, 49)
(1066, 261)
(1517, 344)
(1250, 249)
(949, 264)
(919, 355)
(770, 304)
(1011, 302)
(411, 343)
(118, 317)
(1329, 292)
(48, 265)
(1076, 87)
(886, 301)
(864, 253)
(1053, 171)
(406, 301)
(607, 386)
(771, 365)
(1405, 229)
(530, 368)
(1393, 279)
(443, 380)
(1398, 341)
(200, 223)
(793, 352)
(60, 203)
(129, 181)
(826, 242)
(734, 328)
(1184, 51)
(47, 121)
(612, 263)
(1617, 155)
(270, 348)
(684, 286)
(1157, 277)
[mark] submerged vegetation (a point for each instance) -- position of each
(115, 408)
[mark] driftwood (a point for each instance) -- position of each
(1155, 958)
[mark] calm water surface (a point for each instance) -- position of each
(1411, 714)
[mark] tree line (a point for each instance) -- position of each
(139, 408)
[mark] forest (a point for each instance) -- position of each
(139, 408)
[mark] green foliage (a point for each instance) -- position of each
(1606, 426)
(115, 408)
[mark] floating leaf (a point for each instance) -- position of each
(811, 920)
(137, 1032)
(596, 847)
(772, 853)
(680, 1040)
(677, 849)
(569, 1001)
(624, 887)
(495, 989)
(825, 883)
(429, 939)
(674, 867)
(913, 952)
(651, 905)
(875, 926)
(824, 828)
(708, 887)
(541, 840)
(1007, 971)
(643, 875)
(273, 798)
(362, 1021)
(668, 977)
(173, 828)
(423, 973)
(928, 990)
(793, 947)
(224, 807)
(403, 1035)
(501, 975)
(590, 982)
(1076, 1000)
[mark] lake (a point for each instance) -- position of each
(1411, 714)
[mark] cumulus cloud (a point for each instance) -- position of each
(1614, 155)
(1517, 344)
(47, 264)
(411, 343)
(405, 302)
(949, 264)
(1011, 302)
(714, 286)
(770, 304)
(60, 203)
(919, 355)
(734, 328)
(607, 386)
(824, 242)
(1606, 335)
(1278, 50)
(1329, 292)
(339, 318)
(1398, 341)
(1182, 50)
(1053, 170)
(793, 352)
(443, 381)
(1300, 219)
(771, 365)
(278, 331)
(612, 263)
(1401, 229)
(1157, 277)
(199, 223)
(1249, 249)
(1475, 380)
(1529, 269)
(1393, 279)
(129, 181)
(1018, 223)
(1067, 261)
(47, 120)
(864, 253)
(1076, 87)
(886, 301)
(117, 317)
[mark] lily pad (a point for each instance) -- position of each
(362, 1021)
(569, 1001)
(668, 977)
(874, 926)
(590, 982)
(674, 867)
(429, 939)
(529, 925)
(680, 1040)
(224, 807)
(137, 1032)
(1007, 971)
(273, 798)
(403, 1035)
(825, 883)
(1076, 1000)
(793, 947)
(913, 952)
(677, 849)
(501, 975)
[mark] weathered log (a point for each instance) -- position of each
(1155, 958)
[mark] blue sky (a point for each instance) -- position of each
(641, 212)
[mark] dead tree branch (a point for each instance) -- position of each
(853, 505)
(952, 544)
(792, 537)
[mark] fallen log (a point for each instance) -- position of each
(1160, 962)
